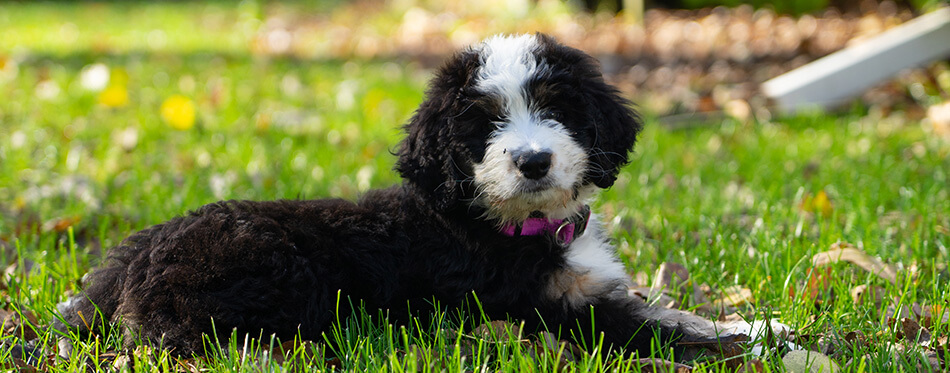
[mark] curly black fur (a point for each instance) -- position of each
(277, 267)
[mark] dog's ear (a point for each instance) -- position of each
(426, 157)
(616, 125)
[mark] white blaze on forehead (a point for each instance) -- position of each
(507, 64)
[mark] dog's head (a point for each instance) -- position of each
(518, 125)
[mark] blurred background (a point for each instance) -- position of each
(134, 111)
(674, 56)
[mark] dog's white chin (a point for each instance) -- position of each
(552, 203)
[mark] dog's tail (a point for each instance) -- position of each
(93, 310)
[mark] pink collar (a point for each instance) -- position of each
(563, 230)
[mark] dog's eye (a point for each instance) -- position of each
(549, 114)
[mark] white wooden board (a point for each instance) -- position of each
(839, 77)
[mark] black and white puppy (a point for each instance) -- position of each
(515, 135)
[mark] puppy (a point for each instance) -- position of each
(515, 136)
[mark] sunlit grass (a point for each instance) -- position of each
(81, 167)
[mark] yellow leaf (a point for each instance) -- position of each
(179, 112)
(823, 203)
(114, 96)
(820, 203)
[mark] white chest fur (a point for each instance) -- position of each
(592, 270)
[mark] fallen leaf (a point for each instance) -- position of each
(856, 339)
(671, 277)
(654, 297)
(736, 296)
(425, 358)
(60, 225)
(122, 362)
(19, 325)
(496, 330)
(752, 366)
(651, 365)
(802, 361)
(298, 353)
(868, 293)
(547, 342)
(818, 282)
(933, 362)
(846, 252)
(913, 332)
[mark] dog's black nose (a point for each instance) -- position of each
(533, 164)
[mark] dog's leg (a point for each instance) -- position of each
(629, 323)
(595, 305)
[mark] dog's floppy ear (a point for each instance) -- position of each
(616, 125)
(426, 155)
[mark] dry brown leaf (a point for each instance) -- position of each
(299, 353)
(856, 339)
(641, 279)
(934, 362)
(752, 366)
(496, 330)
(852, 363)
(425, 358)
(21, 366)
(892, 314)
(547, 342)
(60, 225)
(703, 306)
(913, 332)
(846, 252)
(671, 277)
(737, 296)
(651, 365)
(818, 282)
(868, 293)
(14, 325)
(122, 362)
(15, 269)
(190, 365)
(656, 297)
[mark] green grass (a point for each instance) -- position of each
(722, 199)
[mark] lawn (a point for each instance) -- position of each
(742, 205)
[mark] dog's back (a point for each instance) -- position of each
(251, 266)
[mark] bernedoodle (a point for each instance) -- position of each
(514, 138)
